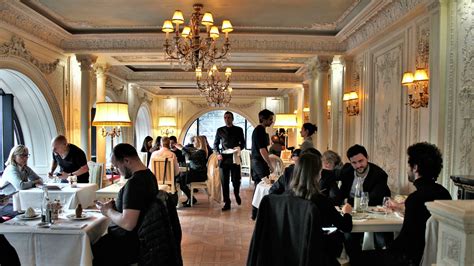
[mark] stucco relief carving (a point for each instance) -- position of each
(109, 85)
(242, 106)
(333, 25)
(387, 114)
(197, 105)
(12, 13)
(465, 89)
(16, 47)
(388, 15)
(451, 247)
(143, 97)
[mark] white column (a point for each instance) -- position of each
(100, 71)
(86, 62)
(318, 96)
(455, 231)
(337, 89)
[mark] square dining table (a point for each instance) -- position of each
(67, 242)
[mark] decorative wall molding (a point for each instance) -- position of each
(16, 47)
(143, 96)
(382, 16)
(334, 25)
(15, 14)
(109, 85)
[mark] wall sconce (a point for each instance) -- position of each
(352, 103)
(167, 123)
(328, 104)
(417, 83)
(306, 114)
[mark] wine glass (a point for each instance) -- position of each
(386, 203)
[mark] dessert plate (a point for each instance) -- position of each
(72, 216)
(24, 217)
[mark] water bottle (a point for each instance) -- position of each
(358, 194)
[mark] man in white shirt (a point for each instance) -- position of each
(164, 152)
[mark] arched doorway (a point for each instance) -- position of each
(142, 126)
(208, 123)
(34, 117)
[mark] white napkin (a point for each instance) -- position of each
(235, 154)
(67, 226)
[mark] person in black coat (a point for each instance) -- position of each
(424, 165)
(374, 181)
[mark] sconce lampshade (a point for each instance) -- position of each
(166, 121)
(350, 96)
(420, 75)
(306, 109)
(285, 121)
(111, 114)
(407, 78)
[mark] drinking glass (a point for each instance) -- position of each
(364, 201)
(386, 203)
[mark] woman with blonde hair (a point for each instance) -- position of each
(17, 174)
(197, 170)
(305, 184)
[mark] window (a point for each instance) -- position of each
(208, 123)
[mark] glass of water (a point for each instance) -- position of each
(364, 201)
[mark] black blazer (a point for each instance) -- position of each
(375, 183)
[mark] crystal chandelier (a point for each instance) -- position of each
(188, 48)
(217, 91)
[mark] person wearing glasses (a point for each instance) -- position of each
(17, 174)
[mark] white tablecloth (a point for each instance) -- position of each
(261, 190)
(44, 246)
(83, 194)
(109, 191)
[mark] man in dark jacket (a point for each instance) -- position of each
(424, 165)
(374, 181)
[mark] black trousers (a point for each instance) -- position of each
(386, 257)
(116, 250)
(188, 177)
(229, 171)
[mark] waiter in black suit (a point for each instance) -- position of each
(374, 181)
(229, 137)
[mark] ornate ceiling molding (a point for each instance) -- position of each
(16, 47)
(376, 18)
(334, 25)
(109, 85)
(17, 15)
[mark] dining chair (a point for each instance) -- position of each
(163, 169)
(277, 164)
(143, 157)
(96, 172)
(245, 166)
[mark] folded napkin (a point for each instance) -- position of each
(67, 226)
(13, 222)
(236, 156)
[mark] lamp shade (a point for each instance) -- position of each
(350, 96)
(167, 26)
(227, 26)
(407, 78)
(306, 109)
(166, 121)
(178, 17)
(285, 121)
(420, 75)
(207, 19)
(111, 114)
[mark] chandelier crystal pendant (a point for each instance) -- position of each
(217, 92)
(191, 48)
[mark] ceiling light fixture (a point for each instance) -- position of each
(188, 48)
(217, 92)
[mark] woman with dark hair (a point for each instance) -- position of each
(197, 172)
(157, 144)
(307, 130)
(146, 147)
(305, 184)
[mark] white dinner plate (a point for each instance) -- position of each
(23, 217)
(72, 216)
